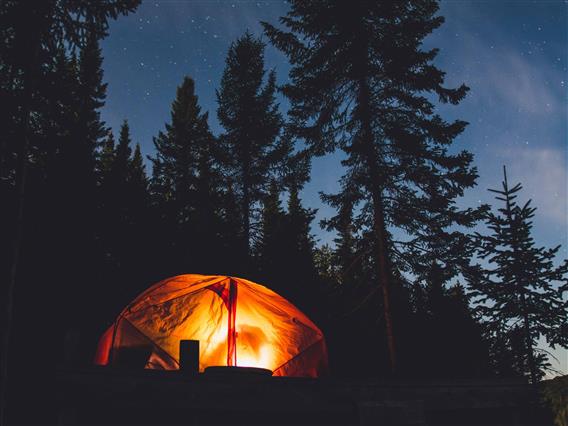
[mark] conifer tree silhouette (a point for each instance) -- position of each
(249, 115)
(284, 239)
(358, 82)
(185, 185)
(520, 293)
(124, 217)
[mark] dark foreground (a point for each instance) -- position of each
(105, 397)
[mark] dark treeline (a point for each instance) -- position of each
(54, 263)
(407, 289)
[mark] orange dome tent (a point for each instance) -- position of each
(237, 323)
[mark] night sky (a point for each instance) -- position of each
(513, 56)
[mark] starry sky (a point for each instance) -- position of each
(512, 54)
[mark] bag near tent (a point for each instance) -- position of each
(237, 322)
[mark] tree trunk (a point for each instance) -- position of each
(246, 210)
(525, 315)
(381, 259)
(528, 340)
(246, 220)
(382, 265)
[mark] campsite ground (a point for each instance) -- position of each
(103, 396)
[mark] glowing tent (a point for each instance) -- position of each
(237, 322)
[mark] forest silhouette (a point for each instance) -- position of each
(407, 289)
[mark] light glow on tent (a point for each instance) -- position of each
(253, 347)
(260, 359)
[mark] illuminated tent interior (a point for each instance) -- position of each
(237, 322)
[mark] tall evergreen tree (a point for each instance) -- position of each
(113, 167)
(269, 247)
(301, 252)
(349, 255)
(249, 114)
(138, 201)
(230, 257)
(124, 216)
(354, 299)
(72, 184)
(185, 183)
(62, 186)
(106, 158)
(522, 294)
(325, 265)
(92, 94)
(284, 240)
(359, 81)
(117, 186)
(137, 179)
(123, 152)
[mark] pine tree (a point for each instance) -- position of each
(207, 220)
(137, 178)
(124, 216)
(326, 267)
(285, 240)
(114, 165)
(92, 92)
(522, 294)
(349, 256)
(107, 202)
(358, 83)
(122, 154)
(230, 257)
(249, 114)
(62, 182)
(354, 299)
(269, 247)
(106, 158)
(138, 255)
(185, 184)
(76, 187)
(301, 253)
(118, 187)
(138, 195)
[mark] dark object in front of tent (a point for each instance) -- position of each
(132, 357)
(189, 356)
(224, 371)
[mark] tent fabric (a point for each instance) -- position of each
(237, 323)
